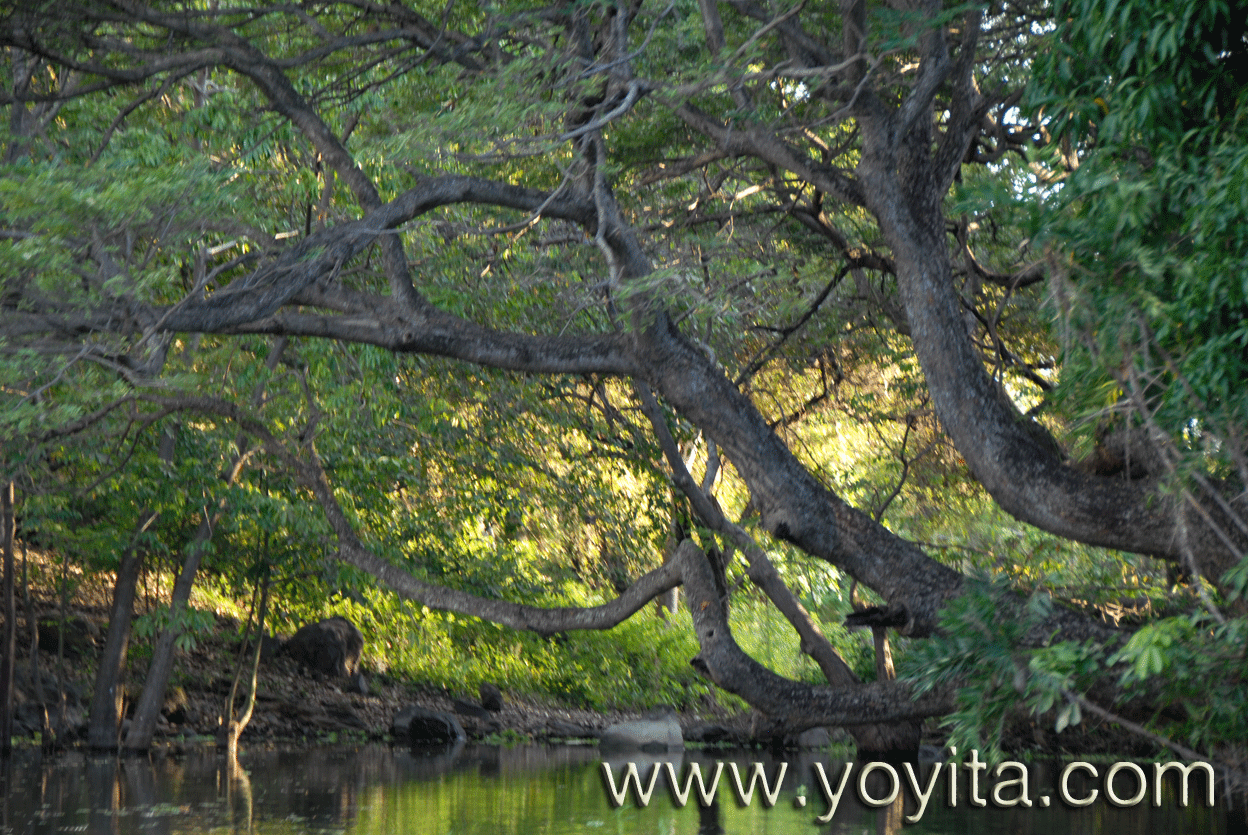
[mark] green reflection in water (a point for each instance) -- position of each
(512, 796)
(376, 790)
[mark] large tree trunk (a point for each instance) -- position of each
(147, 711)
(1024, 474)
(106, 701)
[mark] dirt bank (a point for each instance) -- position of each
(292, 703)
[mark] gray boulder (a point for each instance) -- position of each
(418, 726)
(331, 647)
(656, 734)
(813, 738)
(466, 708)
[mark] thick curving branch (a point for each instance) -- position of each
(1025, 476)
(794, 506)
(795, 704)
(897, 736)
(901, 178)
(543, 621)
(306, 466)
(320, 256)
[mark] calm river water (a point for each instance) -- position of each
(538, 789)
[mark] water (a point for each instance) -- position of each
(377, 790)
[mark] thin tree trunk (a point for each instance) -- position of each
(668, 601)
(227, 716)
(232, 728)
(46, 737)
(147, 711)
(102, 726)
(7, 523)
(795, 704)
(60, 643)
(883, 655)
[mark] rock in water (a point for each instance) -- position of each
(812, 738)
(709, 734)
(655, 735)
(331, 647)
(419, 726)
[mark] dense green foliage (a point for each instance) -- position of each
(1149, 229)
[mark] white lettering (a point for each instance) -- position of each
(770, 795)
(1140, 778)
(1063, 785)
(975, 766)
(631, 777)
(1020, 781)
(923, 796)
(862, 784)
(706, 796)
(832, 798)
(1161, 768)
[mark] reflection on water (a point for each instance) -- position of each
(376, 790)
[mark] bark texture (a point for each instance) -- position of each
(104, 719)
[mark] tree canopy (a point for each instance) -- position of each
(623, 296)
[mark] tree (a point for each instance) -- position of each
(104, 723)
(635, 204)
(7, 664)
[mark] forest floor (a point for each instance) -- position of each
(294, 704)
(291, 702)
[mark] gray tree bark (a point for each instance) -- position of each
(104, 719)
